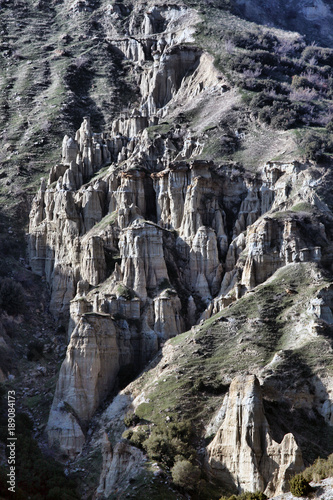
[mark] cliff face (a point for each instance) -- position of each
(151, 250)
(140, 238)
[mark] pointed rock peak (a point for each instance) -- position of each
(243, 453)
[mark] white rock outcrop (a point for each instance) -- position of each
(243, 453)
(87, 375)
(121, 463)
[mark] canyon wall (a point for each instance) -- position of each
(140, 238)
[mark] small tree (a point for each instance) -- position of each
(185, 475)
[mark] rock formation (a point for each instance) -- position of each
(140, 238)
(182, 237)
(243, 453)
(120, 464)
(151, 247)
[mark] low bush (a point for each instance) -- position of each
(131, 419)
(266, 85)
(264, 57)
(125, 292)
(256, 496)
(138, 437)
(300, 81)
(303, 94)
(247, 496)
(318, 55)
(320, 469)
(185, 475)
(12, 296)
(244, 62)
(168, 441)
(299, 486)
(280, 115)
(274, 110)
(287, 47)
(127, 434)
(252, 40)
(315, 145)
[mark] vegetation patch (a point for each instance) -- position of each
(125, 292)
(12, 296)
(151, 484)
(303, 207)
(299, 486)
(320, 469)
(247, 496)
(92, 466)
(160, 129)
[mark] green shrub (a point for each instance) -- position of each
(252, 40)
(124, 291)
(168, 441)
(276, 111)
(256, 496)
(128, 434)
(157, 448)
(243, 62)
(185, 475)
(138, 437)
(299, 486)
(247, 496)
(12, 296)
(281, 116)
(265, 57)
(131, 419)
(262, 85)
(299, 81)
(318, 55)
(320, 469)
(315, 144)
